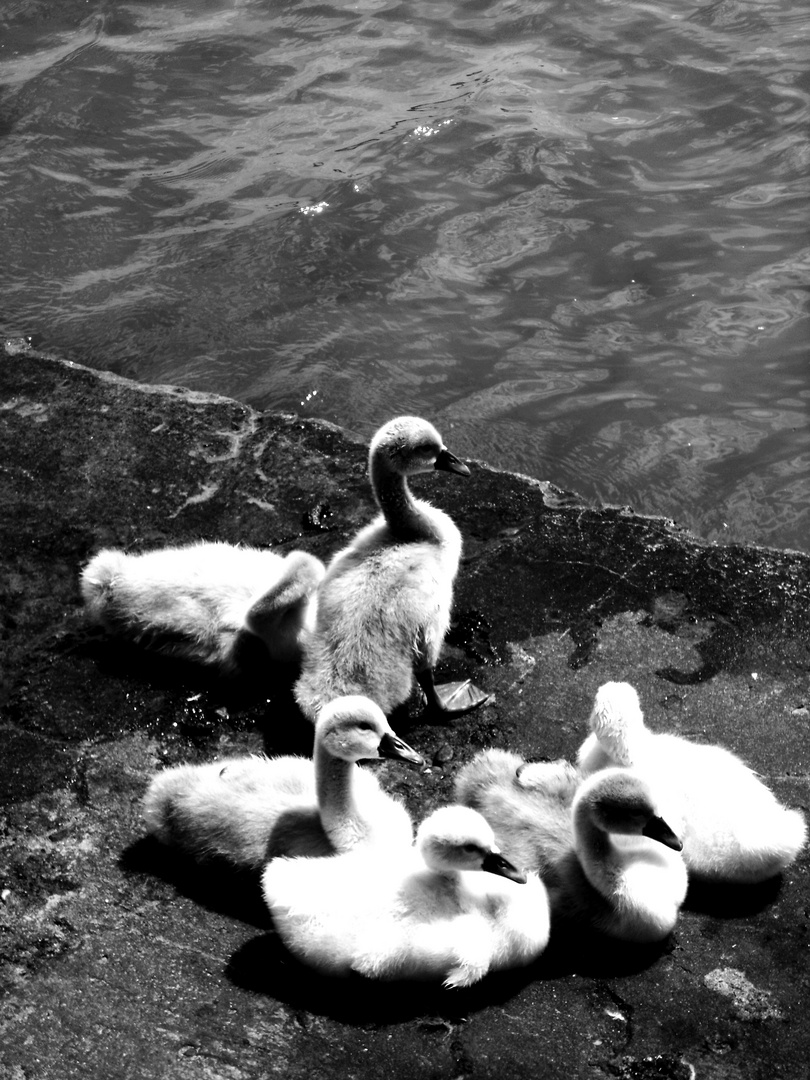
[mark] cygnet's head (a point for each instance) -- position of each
(308, 570)
(354, 728)
(620, 801)
(409, 445)
(617, 719)
(458, 838)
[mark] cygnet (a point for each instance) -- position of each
(625, 876)
(199, 601)
(250, 809)
(427, 913)
(602, 848)
(527, 804)
(383, 608)
(735, 829)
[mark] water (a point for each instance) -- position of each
(574, 234)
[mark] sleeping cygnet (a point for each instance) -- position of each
(199, 601)
(527, 804)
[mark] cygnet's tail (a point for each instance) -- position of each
(190, 808)
(97, 581)
(159, 801)
(787, 837)
(235, 809)
(757, 851)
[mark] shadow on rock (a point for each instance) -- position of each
(214, 885)
(264, 966)
(196, 701)
(575, 949)
(725, 900)
(283, 727)
(255, 676)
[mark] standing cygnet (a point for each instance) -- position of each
(199, 601)
(384, 606)
(248, 810)
(735, 829)
(427, 913)
(587, 840)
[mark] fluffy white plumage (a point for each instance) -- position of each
(250, 809)
(587, 839)
(735, 829)
(428, 913)
(528, 805)
(197, 601)
(384, 606)
(625, 875)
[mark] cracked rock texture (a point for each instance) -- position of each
(118, 960)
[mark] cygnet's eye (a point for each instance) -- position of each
(471, 849)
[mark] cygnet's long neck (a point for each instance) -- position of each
(597, 853)
(626, 743)
(445, 882)
(404, 515)
(334, 784)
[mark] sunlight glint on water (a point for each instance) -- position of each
(572, 234)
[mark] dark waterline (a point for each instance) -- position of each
(575, 235)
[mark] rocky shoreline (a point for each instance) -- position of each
(118, 961)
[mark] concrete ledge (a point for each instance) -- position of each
(117, 961)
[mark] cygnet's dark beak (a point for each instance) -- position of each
(450, 463)
(657, 829)
(496, 864)
(391, 746)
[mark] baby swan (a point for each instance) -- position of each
(624, 876)
(528, 805)
(427, 913)
(587, 840)
(250, 809)
(384, 606)
(199, 601)
(735, 829)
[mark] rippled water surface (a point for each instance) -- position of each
(574, 234)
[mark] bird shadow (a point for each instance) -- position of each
(727, 900)
(264, 966)
(258, 696)
(576, 949)
(214, 885)
(250, 683)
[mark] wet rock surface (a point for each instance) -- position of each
(120, 960)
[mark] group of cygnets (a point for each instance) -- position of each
(609, 841)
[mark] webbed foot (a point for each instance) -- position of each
(458, 698)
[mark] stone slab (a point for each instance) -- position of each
(118, 961)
